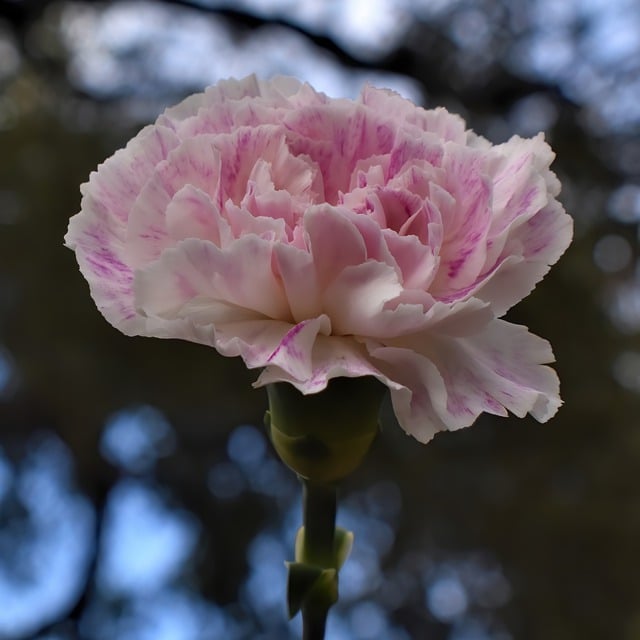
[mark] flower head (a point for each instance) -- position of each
(318, 238)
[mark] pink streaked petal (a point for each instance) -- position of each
(251, 339)
(518, 193)
(409, 149)
(512, 280)
(441, 205)
(540, 152)
(510, 360)
(246, 146)
(192, 214)
(417, 262)
(372, 234)
(295, 268)
(364, 201)
(112, 190)
(333, 357)
(417, 177)
(243, 222)
(336, 136)
(196, 162)
(369, 172)
(254, 340)
(439, 121)
(545, 236)
(204, 310)
(403, 319)
(294, 354)
(334, 241)
(368, 301)
(529, 253)
(463, 253)
(290, 90)
(273, 205)
(147, 234)
(100, 258)
(239, 275)
(417, 388)
(225, 90)
(283, 187)
(499, 368)
(249, 106)
(400, 210)
(459, 320)
(98, 233)
(521, 189)
(224, 118)
(280, 170)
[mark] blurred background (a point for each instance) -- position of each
(139, 498)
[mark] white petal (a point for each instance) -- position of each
(332, 357)
(452, 380)
(239, 275)
(98, 232)
(296, 269)
(294, 354)
(334, 241)
(192, 214)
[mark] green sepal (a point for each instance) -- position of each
(342, 545)
(310, 585)
(324, 436)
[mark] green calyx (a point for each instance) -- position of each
(313, 584)
(324, 436)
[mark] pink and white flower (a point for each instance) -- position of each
(317, 237)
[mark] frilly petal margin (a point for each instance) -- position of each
(532, 248)
(239, 275)
(254, 340)
(330, 357)
(446, 383)
(98, 233)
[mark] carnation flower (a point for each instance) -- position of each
(319, 238)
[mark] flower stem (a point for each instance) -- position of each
(319, 514)
(313, 623)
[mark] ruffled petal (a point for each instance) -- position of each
(533, 247)
(519, 185)
(98, 233)
(419, 388)
(224, 91)
(115, 186)
(465, 224)
(194, 162)
(239, 275)
(336, 136)
(334, 241)
(297, 271)
(356, 298)
(294, 354)
(253, 339)
(416, 262)
(452, 381)
(332, 357)
(441, 123)
(192, 214)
